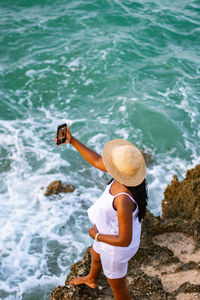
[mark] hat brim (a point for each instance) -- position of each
(133, 180)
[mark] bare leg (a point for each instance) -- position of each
(95, 269)
(119, 288)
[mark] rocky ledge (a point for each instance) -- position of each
(167, 265)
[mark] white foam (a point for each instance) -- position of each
(122, 108)
(191, 111)
(88, 81)
(122, 133)
(1, 68)
(28, 216)
(74, 63)
(65, 82)
(31, 73)
(33, 282)
(97, 139)
(104, 54)
(52, 61)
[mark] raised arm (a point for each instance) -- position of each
(90, 155)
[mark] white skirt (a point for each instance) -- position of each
(115, 261)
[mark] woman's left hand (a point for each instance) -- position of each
(93, 231)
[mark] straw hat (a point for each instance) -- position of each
(124, 162)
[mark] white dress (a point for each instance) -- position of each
(114, 259)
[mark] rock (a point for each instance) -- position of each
(193, 173)
(167, 265)
(147, 157)
(60, 293)
(182, 198)
(57, 187)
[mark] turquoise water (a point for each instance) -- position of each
(110, 69)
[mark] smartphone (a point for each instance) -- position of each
(61, 134)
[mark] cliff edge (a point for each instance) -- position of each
(167, 265)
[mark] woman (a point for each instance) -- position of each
(117, 214)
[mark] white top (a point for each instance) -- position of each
(104, 216)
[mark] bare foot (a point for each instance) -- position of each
(83, 280)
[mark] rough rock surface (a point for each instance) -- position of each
(167, 265)
(57, 187)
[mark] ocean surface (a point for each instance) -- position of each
(110, 69)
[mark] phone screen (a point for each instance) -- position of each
(61, 134)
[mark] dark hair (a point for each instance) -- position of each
(140, 195)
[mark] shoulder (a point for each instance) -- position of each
(124, 202)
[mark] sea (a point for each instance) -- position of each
(109, 69)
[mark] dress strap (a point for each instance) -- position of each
(123, 193)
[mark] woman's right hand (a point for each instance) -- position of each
(69, 137)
